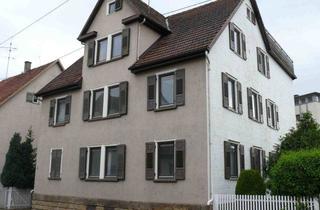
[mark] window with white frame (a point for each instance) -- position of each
(55, 167)
(255, 108)
(113, 6)
(32, 98)
(272, 114)
(109, 48)
(233, 158)
(166, 90)
(106, 102)
(232, 93)
(105, 162)
(165, 160)
(60, 111)
(237, 41)
(250, 15)
(263, 62)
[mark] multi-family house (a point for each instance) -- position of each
(19, 107)
(308, 103)
(169, 111)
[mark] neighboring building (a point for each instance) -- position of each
(308, 103)
(169, 110)
(19, 108)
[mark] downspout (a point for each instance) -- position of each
(210, 197)
(138, 38)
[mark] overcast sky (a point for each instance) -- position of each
(294, 23)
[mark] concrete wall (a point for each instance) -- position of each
(226, 125)
(135, 129)
(18, 116)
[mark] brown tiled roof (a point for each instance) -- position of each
(11, 86)
(70, 79)
(192, 31)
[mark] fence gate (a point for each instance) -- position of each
(12, 198)
(251, 202)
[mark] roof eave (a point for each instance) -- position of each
(67, 88)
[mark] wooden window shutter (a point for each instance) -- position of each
(225, 93)
(180, 160)
(91, 53)
(232, 41)
(277, 117)
(57, 170)
(86, 105)
(264, 161)
(29, 97)
(242, 160)
(68, 109)
(253, 158)
(150, 160)
(268, 112)
(250, 107)
(151, 101)
(118, 5)
(268, 67)
(253, 16)
(53, 163)
(83, 163)
(121, 150)
(244, 46)
(125, 41)
(52, 112)
(123, 98)
(260, 109)
(227, 166)
(180, 87)
(240, 104)
(260, 66)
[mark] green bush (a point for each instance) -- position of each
(250, 183)
(297, 174)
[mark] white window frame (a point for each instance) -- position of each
(157, 158)
(108, 7)
(264, 65)
(272, 114)
(109, 49)
(56, 108)
(255, 115)
(105, 100)
(236, 93)
(102, 160)
(158, 75)
(252, 17)
(236, 41)
(50, 162)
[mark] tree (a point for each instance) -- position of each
(12, 169)
(250, 183)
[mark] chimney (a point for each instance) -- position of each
(27, 66)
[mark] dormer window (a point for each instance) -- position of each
(114, 6)
(250, 15)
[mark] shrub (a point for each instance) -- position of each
(297, 174)
(250, 183)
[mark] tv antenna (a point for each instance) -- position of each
(10, 49)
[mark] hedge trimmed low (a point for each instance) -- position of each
(250, 182)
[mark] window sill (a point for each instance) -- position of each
(257, 121)
(105, 118)
(264, 74)
(238, 55)
(171, 180)
(232, 110)
(106, 62)
(273, 128)
(54, 179)
(233, 179)
(106, 179)
(59, 125)
(165, 108)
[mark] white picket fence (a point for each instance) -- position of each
(250, 202)
(12, 198)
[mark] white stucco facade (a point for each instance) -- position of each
(225, 125)
(308, 103)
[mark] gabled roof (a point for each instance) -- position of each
(70, 79)
(193, 32)
(13, 85)
(153, 17)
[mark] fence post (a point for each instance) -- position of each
(316, 204)
(9, 197)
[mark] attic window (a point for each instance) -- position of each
(111, 7)
(251, 16)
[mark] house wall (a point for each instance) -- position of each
(17, 115)
(226, 125)
(313, 108)
(135, 129)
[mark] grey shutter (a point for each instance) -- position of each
(231, 33)
(68, 109)
(260, 109)
(264, 161)
(180, 87)
(150, 158)
(86, 105)
(227, 166)
(121, 150)
(123, 98)
(250, 108)
(180, 159)
(52, 112)
(240, 104)
(254, 21)
(91, 53)
(53, 162)
(83, 163)
(244, 46)
(151, 101)
(29, 97)
(259, 58)
(125, 41)
(253, 158)
(277, 117)
(118, 5)
(58, 163)
(268, 67)
(242, 160)
(268, 112)
(225, 93)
